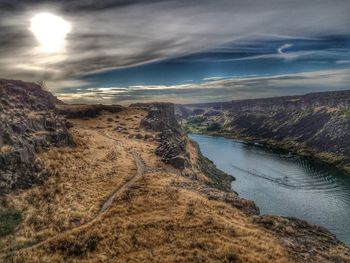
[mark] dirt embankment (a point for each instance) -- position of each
(115, 197)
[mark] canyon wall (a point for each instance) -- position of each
(315, 124)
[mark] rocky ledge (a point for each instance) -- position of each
(28, 124)
(172, 147)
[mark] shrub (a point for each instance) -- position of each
(196, 119)
(9, 220)
(76, 247)
(215, 126)
(346, 113)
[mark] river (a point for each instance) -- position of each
(284, 184)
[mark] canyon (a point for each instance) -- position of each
(102, 183)
(314, 125)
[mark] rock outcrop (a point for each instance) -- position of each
(303, 241)
(173, 147)
(28, 124)
(161, 118)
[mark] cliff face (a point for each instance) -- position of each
(315, 124)
(338, 99)
(28, 124)
(161, 118)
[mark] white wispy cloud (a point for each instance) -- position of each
(217, 90)
(283, 47)
(343, 61)
(213, 78)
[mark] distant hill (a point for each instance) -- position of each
(315, 124)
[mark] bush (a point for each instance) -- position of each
(9, 220)
(196, 119)
(77, 246)
(346, 113)
(215, 126)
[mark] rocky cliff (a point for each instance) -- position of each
(172, 147)
(315, 124)
(28, 124)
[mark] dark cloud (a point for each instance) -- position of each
(70, 5)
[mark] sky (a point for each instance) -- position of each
(126, 51)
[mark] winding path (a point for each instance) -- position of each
(141, 170)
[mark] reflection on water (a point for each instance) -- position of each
(284, 184)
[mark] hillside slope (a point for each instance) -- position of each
(316, 124)
(134, 188)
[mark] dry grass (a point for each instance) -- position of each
(6, 149)
(154, 220)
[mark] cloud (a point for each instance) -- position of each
(215, 90)
(110, 34)
(343, 61)
(283, 47)
(213, 78)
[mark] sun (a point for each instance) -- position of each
(50, 31)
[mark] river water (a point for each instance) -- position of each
(284, 184)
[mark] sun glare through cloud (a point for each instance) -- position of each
(50, 31)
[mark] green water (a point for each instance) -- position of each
(284, 184)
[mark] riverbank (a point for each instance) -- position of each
(299, 187)
(285, 145)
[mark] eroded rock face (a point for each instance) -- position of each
(318, 128)
(172, 147)
(28, 124)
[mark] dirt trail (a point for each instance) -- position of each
(141, 170)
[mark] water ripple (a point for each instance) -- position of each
(316, 182)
